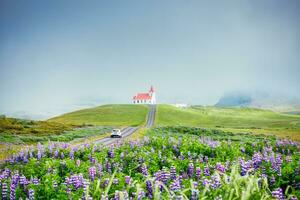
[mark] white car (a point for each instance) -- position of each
(116, 133)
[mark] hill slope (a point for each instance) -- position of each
(108, 115)
(231, 119)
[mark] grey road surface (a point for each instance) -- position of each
(130, 130)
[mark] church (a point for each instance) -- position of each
(145, 98)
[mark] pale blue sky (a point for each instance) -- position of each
(56, 56)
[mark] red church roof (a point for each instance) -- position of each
(142, 96)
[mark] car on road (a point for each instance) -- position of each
(116, 133)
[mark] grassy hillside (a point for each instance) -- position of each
(24, 127)
(231, 119)
(108, 115)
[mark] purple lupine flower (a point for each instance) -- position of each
(195, 194)
(272, 180)
(191, 170)
(115, 181)
(277, 194)
(69, 190)
(92, 173)
(242, 149)
(108, 167)
(39, 155)
(165, 175)
(149, 189)
(31, 194)
(198, 172)
(12, 191)
(288, 159)
(111, 154)
(220, 167)
(100, 168)
(173, 172)
(4, 190)
(56, 154)
(257, 160)
(205, 182)
(117, 196)
(22, 180)
(86, 183)
(141, 195)
(55, 185)
(71, 154)
(35, 181)
(206, 171)
(62, 155)
(64, 145)
(144, 169)
(106, 181)
(215, 182)
(127, 179)
(175, 185)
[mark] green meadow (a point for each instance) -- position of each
(247, 120)
(107, 115)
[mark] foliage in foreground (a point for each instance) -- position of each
(164, 165)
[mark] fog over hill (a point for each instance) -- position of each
(259, 99)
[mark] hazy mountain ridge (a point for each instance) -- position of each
(260, 100)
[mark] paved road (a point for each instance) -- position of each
(130, 130)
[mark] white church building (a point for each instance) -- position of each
(145, 98)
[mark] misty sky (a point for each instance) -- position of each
(56, 56)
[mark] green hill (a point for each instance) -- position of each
(231, 119)
(107, 115)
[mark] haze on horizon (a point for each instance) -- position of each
(57, 56)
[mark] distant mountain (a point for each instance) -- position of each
(234, 99)
(260, 100)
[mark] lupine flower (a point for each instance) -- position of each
(116, 181)
(4, 190)
(71, 154)
(106, 181)
(149, 189)
(191, 170)
(111, 154)
(141, 195)
(39, 155)
(173, 172)
(127, 179)
(31, 194)
(277, 194)
(220, 167)
(144, 169)
(35, 181)
(56, 153)
(272, 180)
(215, 182)
(205, 182)
(55, 185)
(175, 185)
(206, 171)
(198, 172)
(92, 173)
(12, 191)
(165, 175)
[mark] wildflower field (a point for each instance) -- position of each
(168, 163)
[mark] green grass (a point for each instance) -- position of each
(106, 115)
(15, 126)
(231, 119)
(65, 136)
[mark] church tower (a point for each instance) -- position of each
(152, 94)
